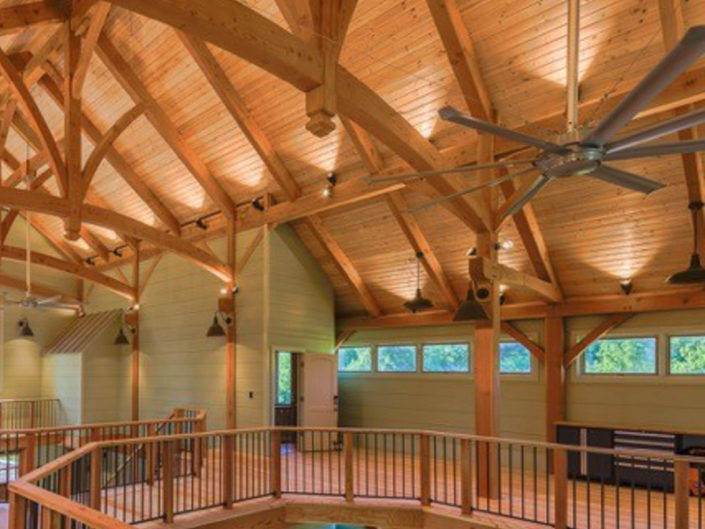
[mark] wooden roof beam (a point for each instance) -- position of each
(58, 207)
(483, 268)
(673, 29)
(21, 16)
(604, 327)
(232, 101)
(343, 262)
(56, 241)
(47, 261)
(119, 163)
(463, 59)
(131, 83)
(72, 134)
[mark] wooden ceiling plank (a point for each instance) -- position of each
(673, 29)
(106, 141)
(535, 349)
(72, 134)
(343, 262)
(26, 101)
(47, 261)
(128, 79)
(463, 59)
(241, 114)
(119, 163)
(95, 243)
(21, 16)
(51, 205)
(604, 327)
(417, 240)
(364, 146)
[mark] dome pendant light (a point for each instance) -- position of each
(695, 273)
(419, 302)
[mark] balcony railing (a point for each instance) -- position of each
(30, 413)
(168, 476)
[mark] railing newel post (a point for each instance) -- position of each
(466, 476)
(348, 456)
(95, 479)
(18, 514)
(276, 463)
(168, 480)
(425, 468)
(681, 469)
(560, 488)
(228, 445)
(28, 454)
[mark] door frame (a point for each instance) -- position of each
(273, 379)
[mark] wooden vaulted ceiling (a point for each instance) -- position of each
(189, 130)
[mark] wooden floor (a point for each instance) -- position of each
(524, 496)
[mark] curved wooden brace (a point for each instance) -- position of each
(25, 100)
(20, 254)
(106, 141)
(58, 207)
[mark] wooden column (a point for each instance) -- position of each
(135, 356)
(231, 333)
(554, 337)
(487, 395)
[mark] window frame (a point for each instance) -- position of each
(581, 364)
(397, 344)
(420, 360)
(516, 374)
(373, 356)
(667, 370)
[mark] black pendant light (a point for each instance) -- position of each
(216, 329)
(25, 329)
(419, 302)
(695, 273)
(470, 309)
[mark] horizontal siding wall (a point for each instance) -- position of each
(61, 379)
(446, 402)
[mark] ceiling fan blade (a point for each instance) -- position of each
(662, 129)
(465, 191)
(523, 195)
(463, 169)
(657, 149)
(686, 52)
(47, 301)
(625, 179)
(451, 114)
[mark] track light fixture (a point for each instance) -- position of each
(216, 329)
(626, 285)
(504, 245)
(201, 223)
(25, 329)
(472, 252)
(117, 252)
(332, 179)
(257, 204)
(90, 261)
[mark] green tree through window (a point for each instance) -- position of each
(445, 358)
(399, 358)
(514, 358)
(687, 355)
(619, 356)
(355, 359)
(285, 388)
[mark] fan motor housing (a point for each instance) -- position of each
(574, 159)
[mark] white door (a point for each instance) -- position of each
(318, 398)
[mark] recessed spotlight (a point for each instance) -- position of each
(257, 204)
(504, 245)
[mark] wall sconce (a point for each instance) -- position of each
(216, 329)
(25, 329)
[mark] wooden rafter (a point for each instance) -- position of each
(241, 114)
(343, 262)
(95, 243)
(342, 337)
(673, 28)
(364, 146)
(417, 240)
(47, 261)
(26, 101)
(297, 14)
(117, 222)
(129, 80)
(119, 163)
(99, 15)
(461, 54)
(22, 15)
(604, 327)
(534, 348)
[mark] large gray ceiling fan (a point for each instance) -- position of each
(591, 154)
